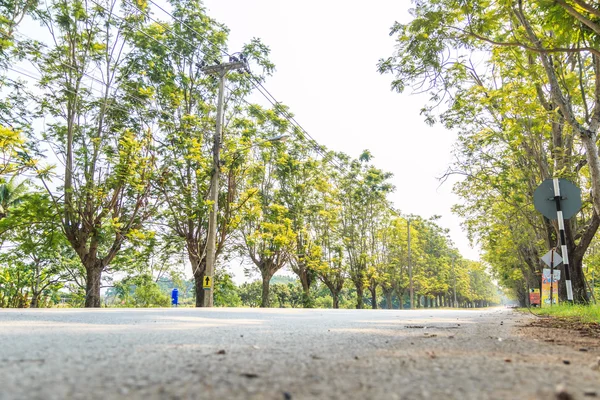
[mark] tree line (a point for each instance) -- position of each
(106, 127)
(520, 82)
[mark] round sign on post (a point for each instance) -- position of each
(570, 199)
(559, 199)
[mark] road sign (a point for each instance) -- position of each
(206, 283)
(555, 259)
(549, 286)
(534, 297)
(570, 199)
(546, 275)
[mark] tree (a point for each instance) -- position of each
(530, 50)
(167, 64)
(14, 113)
(103, 142)
(301, 179)
(12, 193)
(32, 262)
(226, 293)
(395, 259)
(326, 253)
(363, 194)
(266, 231)
(141, 291)
(250, 294)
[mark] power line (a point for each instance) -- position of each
(29, 74)
(83, 73)
(251, 78)
(169, 29)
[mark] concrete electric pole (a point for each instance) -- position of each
(221, 71)
(410, 277)
(454, 279)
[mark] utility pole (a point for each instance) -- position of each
(454, 279)
(221, 71)
(410, 277)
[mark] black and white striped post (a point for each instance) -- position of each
(562, 236)
(559, 199)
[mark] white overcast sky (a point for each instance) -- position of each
(326, 52)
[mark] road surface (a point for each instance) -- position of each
(283, 354)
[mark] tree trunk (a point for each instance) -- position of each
(198, 279)
(266, 281)
(359, 297)
(578, 281)
(306, 299)
(373, 297)
(34, 300)
(336, 299)
(388, 299)
(92, 286)
(400, 295)
(306, 277)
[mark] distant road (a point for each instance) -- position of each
(282, 354)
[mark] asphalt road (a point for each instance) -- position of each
(283, 354)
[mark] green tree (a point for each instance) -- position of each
(300, 177)
(102, 141)
(537, 80)
(266, 232)
(327, 253)
(33, 260)
(226, 292)
(251, 294)
(363, 192)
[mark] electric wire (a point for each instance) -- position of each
(259, 87)
(86, 74)
(253, 80)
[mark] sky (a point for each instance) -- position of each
(326, 54)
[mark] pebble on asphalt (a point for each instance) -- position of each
(561, 393)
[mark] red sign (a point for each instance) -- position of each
(534, 297)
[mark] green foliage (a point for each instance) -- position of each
(517, 82)
(580, 313)
(226, 293)
(141, 291)
(123, 105)
(250, 294)
(34, 265)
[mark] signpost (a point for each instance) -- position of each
(207, 283)
(549, 288)
(559, 199)
(534, 297)
(552, 259)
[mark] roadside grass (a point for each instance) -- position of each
(581, 313)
